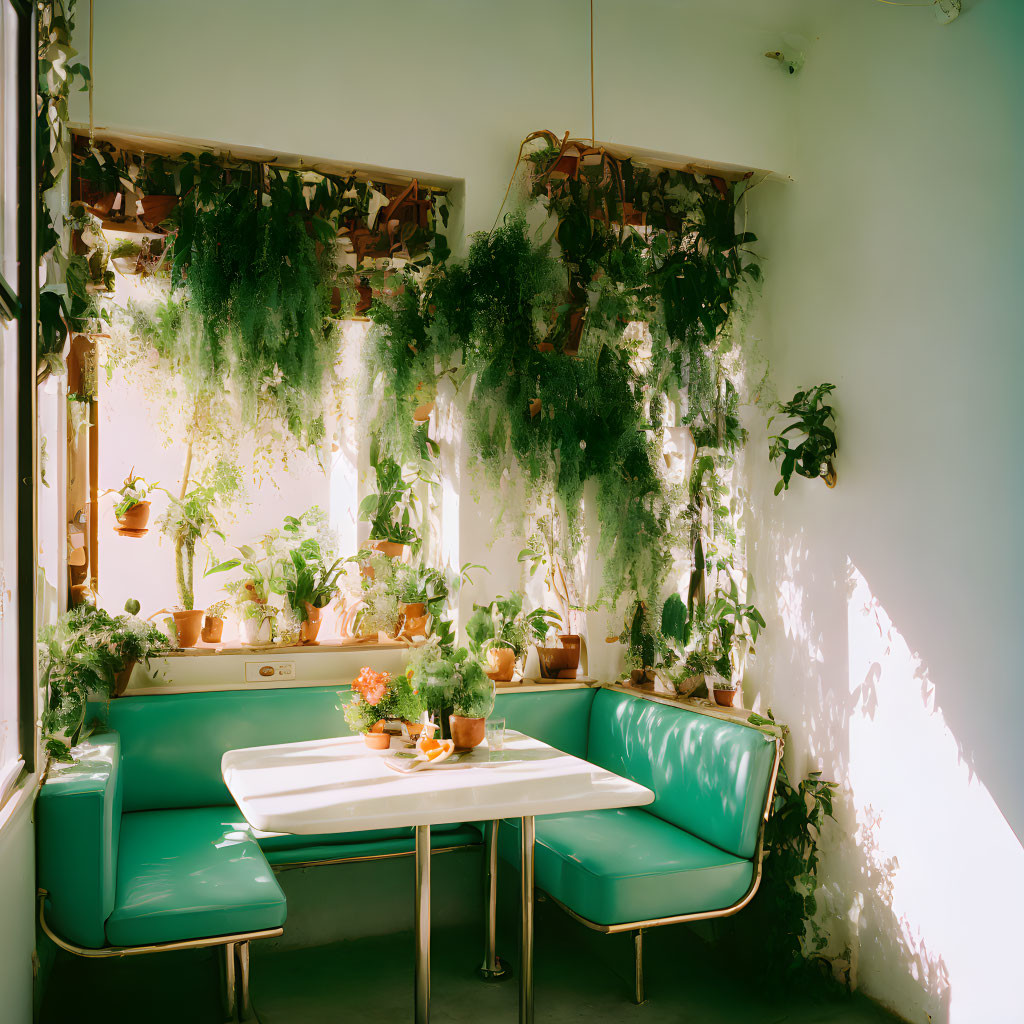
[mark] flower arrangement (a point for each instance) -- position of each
(378, 697)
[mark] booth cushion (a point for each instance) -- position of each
(78, 819)
(709, 776)
(624, 865)
(189, 874)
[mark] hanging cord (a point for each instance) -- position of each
(92, 126)
(593, 119)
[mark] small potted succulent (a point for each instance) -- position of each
(501, 632)
(213, 622)
(377, 698)
(422, 595)
(132, 508)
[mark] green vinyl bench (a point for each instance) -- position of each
(162, 858)
(695, 853)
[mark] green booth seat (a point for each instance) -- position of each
(617, 866)
(190, 874)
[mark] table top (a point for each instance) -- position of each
(338, 785)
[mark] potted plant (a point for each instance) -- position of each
(188, 520)
(376, 699)
(260, 594)
(815, 420)
(213, 622)
(380, 614)
(423, 594)
(455, 690)
(310, 583)
(389, 510)
(501, 632)
(85, 654)
(133, 505)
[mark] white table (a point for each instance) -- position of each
(337, 785)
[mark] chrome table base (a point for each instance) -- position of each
(422, 926)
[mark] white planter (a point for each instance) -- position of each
(257, 631)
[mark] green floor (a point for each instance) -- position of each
(581, 976)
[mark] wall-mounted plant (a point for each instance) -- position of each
(813, 424)
(133, 505)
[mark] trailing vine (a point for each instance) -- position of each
(586, 344)
(260, 262)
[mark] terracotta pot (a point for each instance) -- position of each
(467, 732)
(365, 296)
(642, 679)
(571, 643)
(136, 518)
(377, 740)
(309, 629)
(422, 412)
(213, 629)
(726, 698)
(389, 548)
(554, 660)
(412, 729)
(77, 574)
(81, 594)
(188, 625)
(415, 620)
(534, 408)
(153, 210)
(122, 678)
(502, 664)
(545, 346)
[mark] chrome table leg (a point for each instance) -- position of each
(493, 968)
(228, 1002)
(244, 1003)
(638, 966)
(422, 1005)
(526, 932)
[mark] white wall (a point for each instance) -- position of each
(894, 271)
(17, 905)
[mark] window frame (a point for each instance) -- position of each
(23, 295)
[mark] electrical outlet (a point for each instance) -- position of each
(267, 671)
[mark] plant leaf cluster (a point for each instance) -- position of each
(813, 418)
(79, 656)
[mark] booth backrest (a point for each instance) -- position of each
(78, 825)
(172, 744)
(710, 776)
(560, 718)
